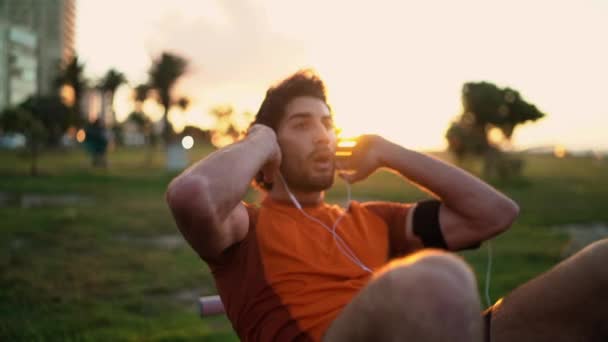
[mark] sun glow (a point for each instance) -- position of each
(559, 151)
(495, 136)
(347, 143)
(391, 68)
(67, 95)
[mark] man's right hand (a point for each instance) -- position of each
(268, 139)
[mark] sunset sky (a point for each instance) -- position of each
(394, 68)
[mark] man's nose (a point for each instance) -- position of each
(322, 134)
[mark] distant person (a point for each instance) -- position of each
(299, 269)
(96, 142)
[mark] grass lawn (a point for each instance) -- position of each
(104, 261)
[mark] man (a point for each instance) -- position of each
(299, 269)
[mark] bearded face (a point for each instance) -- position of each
(311, 173)
(308, 142)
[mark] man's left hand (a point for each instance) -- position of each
(365, 158)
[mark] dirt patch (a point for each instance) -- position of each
(187, 296)
(582, 235)
(40, 200)
(8, 200)
(17, 244)
(169, 241)
(33, 200)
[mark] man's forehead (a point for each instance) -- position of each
(306, 105)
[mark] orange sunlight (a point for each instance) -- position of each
(391, 68)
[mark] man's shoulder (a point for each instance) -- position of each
(387, 210)
(381, 204)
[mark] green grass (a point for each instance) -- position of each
(95, 270)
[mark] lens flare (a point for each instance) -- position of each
(187, 142)
(81, 135)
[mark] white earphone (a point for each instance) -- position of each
(342, 246)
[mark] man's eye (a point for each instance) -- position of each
(303, 124)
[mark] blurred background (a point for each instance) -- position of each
(102, 103)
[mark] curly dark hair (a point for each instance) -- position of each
(305, 82)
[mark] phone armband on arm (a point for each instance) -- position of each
(426, 224)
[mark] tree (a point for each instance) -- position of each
(138, 116)
(52, 113)
(486, 107)
(183, 103)
(140, 95)
(228, 125)
(139, 119)
(42, 119)
(502, 108)
(164, 73)
(72, 75)
(108, 85)
(142, 121)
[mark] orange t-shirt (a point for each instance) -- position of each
(288, 279)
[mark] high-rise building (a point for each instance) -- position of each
(36, 39)
(56, 29)
(20, 74)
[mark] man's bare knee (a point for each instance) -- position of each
(435, 279)
(429, 296)
(431, 263)
(594, 258)
(434, 286)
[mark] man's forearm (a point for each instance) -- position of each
(457, 189)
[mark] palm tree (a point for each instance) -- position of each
(164, 73)
(108, 85)
(140, 95)
(72, 75)
(183, 103)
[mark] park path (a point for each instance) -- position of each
(582, 235)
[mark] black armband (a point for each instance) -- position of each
(426, 224)
(471, 247)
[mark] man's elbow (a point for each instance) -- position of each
(506, 213)
(186, 193)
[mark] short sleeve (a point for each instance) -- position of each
(395, 216)
(238, 250)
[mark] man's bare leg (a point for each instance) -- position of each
(430, 296)
(568, 303)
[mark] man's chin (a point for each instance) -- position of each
(322, 183)
(314, 184)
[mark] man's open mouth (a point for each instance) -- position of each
(323, 159)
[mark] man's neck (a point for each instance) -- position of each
(278, 193)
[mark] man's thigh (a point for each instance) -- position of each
(566, 303)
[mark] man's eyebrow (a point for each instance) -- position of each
(301, 115)
(306, 115)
